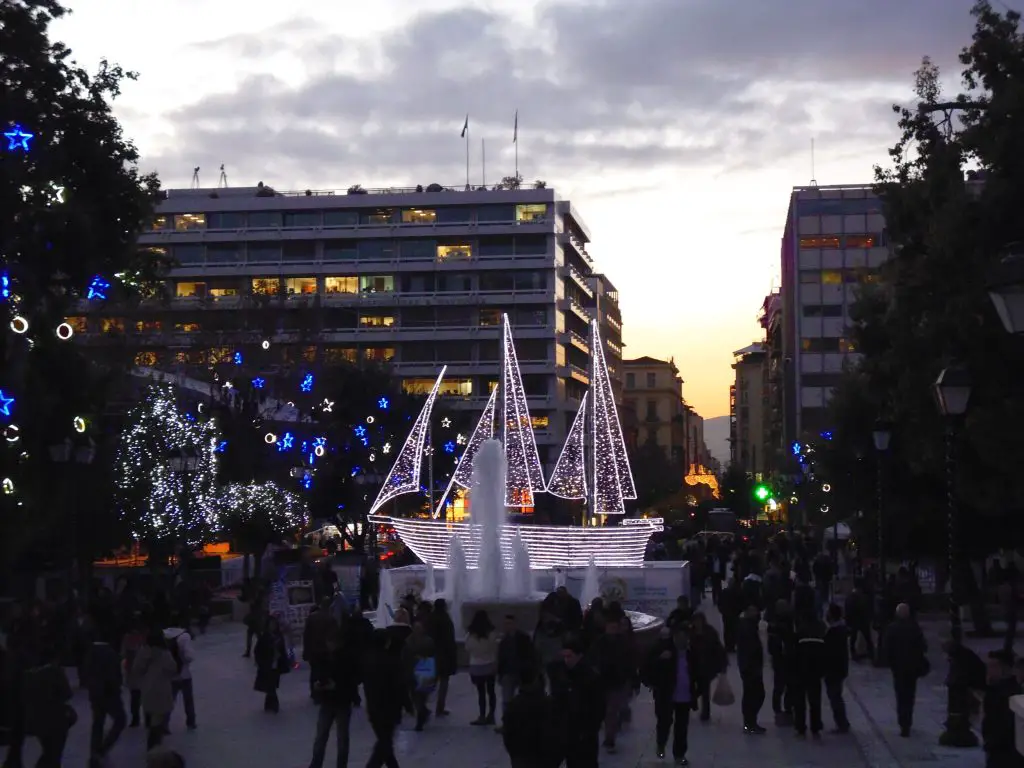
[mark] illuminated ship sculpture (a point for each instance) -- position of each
(593, 466)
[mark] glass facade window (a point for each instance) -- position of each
(458, 387)
(496, 213)
(224, 253)
(412, 250)
(826, 242)
(264, 219)
(455, 215)
(303, 285)
(302, 219)
(220, 288)
(378, 217)
(376, 250)
(339, 354)
(226, 220)
(188, 254)
(340, 218)
(823, 310)
(457, 252)
(264, 252)
(376, 284)
(187, 327)
(861, 241)
(490, 317)
(419, 216)
(342, 284)
(340, 250)
(299, 250)
(146, 326)
(147, 358)
(79, 324)
(531, 245)
(376, 321)
(531, 212)
(190, 289)
(847, 345)
(810, 277)
(186, 221)
(112, 324)
(266, 286)
(379, 354)
(832, 277)
(540, 422)
(157, 223)
(496, 247)
(820, 345)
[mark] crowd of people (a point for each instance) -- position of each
(566, 686)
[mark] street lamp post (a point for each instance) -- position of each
(952, 391)
(881, 435)
(68, 454)
(1006, 288)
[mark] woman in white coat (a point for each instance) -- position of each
(154, 670)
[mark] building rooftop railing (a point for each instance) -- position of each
(356, 189)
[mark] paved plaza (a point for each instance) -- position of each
(234, 730)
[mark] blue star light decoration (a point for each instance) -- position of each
(360, 430)
(238, 358)
(826, 435)
(221, 446)
(366, 440)
(258, 383)
(5, 286)
(17, 139)
(97, 290)
(307, 481)
(5, 404)
(796, 448)
(383, 403)
(286, 442)
(449, 447)
(307, 383)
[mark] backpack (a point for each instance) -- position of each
(174, 646)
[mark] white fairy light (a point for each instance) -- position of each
(404, 476)
(569, 477)
(524, 475)
(160, 500)
(611, 463)
(549, 546)
(460, 439)
(265, 505)
(386, 448)
(484, 430)
(446, 422)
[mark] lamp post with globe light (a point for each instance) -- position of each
(952, 391)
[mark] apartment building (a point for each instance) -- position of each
(834, 242)
(748, 402)
(653, 391)
(412, 277)
(774, 367)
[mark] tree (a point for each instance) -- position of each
(71, 204)
(255, 515)
(656, 477)
(165, 474)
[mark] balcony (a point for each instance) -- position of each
(577, 277)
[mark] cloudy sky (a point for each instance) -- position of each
(677, 127)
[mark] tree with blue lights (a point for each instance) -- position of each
(72, 202)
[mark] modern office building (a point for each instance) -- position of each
(834, 242)
(748, 401)
(415, 277)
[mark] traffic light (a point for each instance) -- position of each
(762, 493)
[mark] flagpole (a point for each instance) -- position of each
(467, 153)
(483, 162)
(515, 140)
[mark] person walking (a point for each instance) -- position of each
(320, 625)
(579, 707)
(442, 632)
(133, 640)
(386, 686)
(155, 670)
(750, 660)
(906, 651)
(780, 640)
(103, 680)
(547, 638)
(335, 691)
(482, 649)
(528, 732)
(515, 658)
(668, 672)
(612, 654)
(837, 665)
(271, 655)
(859, 610)
(419, 657)
(711, 660)
(49, 714)
(809, 669)
(179, 643)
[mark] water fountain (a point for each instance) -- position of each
(385, 597)
(456, 582)
(591, 585)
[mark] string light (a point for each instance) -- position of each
(484, 430)
(360, 430)
(65, 331)
(5, 285)
(460, 439)
(19, 324)
(404, 476)
(569, 477)
(263, 505)
(287, 441)
(549, 546)
(611, 463)
(159, 499)
(524, 475)
(449, 447)
(386, 448)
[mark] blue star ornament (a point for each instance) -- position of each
(18, 139)
(5, 404)
(258, 383)
(98, 288)
(449, 447)
(360, 430)
(307, 383)
(383, 403)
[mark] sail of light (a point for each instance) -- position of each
(569, 477)
(524, 474)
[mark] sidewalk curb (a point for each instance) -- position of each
(870, 740)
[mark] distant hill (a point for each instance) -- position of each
(716, 436)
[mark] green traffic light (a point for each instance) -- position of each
(762, 493)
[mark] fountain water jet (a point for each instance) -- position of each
(456, 583)
(520, 577)
(487, 509)
(591, 585)
(385, 596)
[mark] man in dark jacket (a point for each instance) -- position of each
(529, 726)
(515, 658)
(906, 650)
(837, 666)
(858, 619)
(386, 685)
(102, 677)
(319, 626)
(998, 724)
(335, 690)
(710, 660)
(780, 639)
(750, 659)
(579, 707)
(667, 672)
(808, 669)
(730, 605)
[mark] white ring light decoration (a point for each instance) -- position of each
(826, 488)
(319, 450)
(19, 324)
(265, 344)
(370, 419)
(270, 438)
(79, 424)
(64, 331)
(549, 546)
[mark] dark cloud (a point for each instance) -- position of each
(600, 85)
